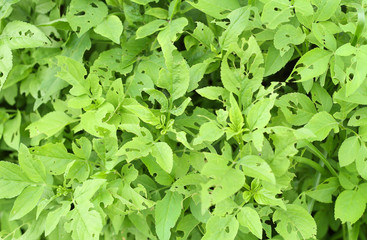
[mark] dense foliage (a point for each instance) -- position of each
(183, 119)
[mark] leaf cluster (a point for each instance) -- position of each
(183, 119)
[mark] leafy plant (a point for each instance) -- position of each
(170, 119)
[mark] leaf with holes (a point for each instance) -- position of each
(17, 34)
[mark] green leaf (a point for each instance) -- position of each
(248, 217)
(73, 72)
(238, 18)
(221, 228)
(85, 192)
(287, 36)
(227, 181)
(11, 133)
(17, 34)
(312, 64)
(235, 115)
(26, 201)
(297, 108)
(215, 8)
(53, 217)
(347, 151)
(230, 79)
(274, 60)
(84, 223)
(50, 124)
(33, 168)
(203, 34)
(6, 63)
(256, 167)
(349, 206)
(326, 9)
(144, 113)
(324, 191)
(359, 73)
(150, 28)
(54, 157)
(259, 115)
(276, 12)
(12, 180)
(82, 15)
(166, 214)
(211, 92)
(320, 125)
(111, 28)
(294, 223)
(162, 152)
(176, 78)
(209, 131)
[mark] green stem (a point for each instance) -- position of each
(360, 24)
(311, 163)
(316, 183)
(298, 51)
(316, 152)
(350, 231)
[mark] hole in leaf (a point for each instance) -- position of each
(227, 229)
(351, 76)
(94, 5)
(276, 9)
(82, 13)
(28, 33)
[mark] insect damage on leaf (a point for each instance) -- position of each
(170, 119)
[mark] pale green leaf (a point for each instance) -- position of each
(150, 28)
(324, 191)
(211, 92)
(235, 114)
(276, 12)
(258, 115)
(26, 201)
(6, 63)
(221, 228)
(111, 28)
(12, 180)
(17, 34)
(33, 168)
(166, 214)
(256, 167)
(349, 206)
(294, 223)
(85, 192)
(162, 152)
(215, 8)
(274, 61)
(286, 36)
(50, 124)
(11, 133)
(248, 217)
(82, 15)
(53, 217)
(84, 223)
(321, 124)
(347, 151)
(313, 64)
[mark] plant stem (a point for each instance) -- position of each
(316, 183)
(318, 167)
(317, 152)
